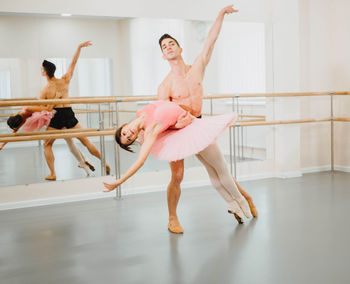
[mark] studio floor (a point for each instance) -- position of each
(301, 236)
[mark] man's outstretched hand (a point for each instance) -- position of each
(229, 10)
(85, 44)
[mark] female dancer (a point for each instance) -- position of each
(28, 120)
(154, 123)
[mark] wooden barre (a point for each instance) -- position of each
(279, 122)
(75, 130)
(57, 136)
(345, 119)
(58, 101)
(80, 100)
(23, 99)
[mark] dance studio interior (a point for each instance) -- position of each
(236, 116)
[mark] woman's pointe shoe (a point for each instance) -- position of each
(234, 209)
(108, 169)
(91, 167)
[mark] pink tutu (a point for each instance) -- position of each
(38, 120)
(173, 145)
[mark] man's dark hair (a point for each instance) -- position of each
(118, 134)
(50, 68)
(15, 121)
(163, 37)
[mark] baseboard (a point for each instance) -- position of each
(316, 169)
(341, 168)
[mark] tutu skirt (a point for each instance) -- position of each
(38, 120)
(173, 145)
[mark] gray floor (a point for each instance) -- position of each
(301, 236)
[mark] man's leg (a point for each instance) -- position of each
(173, 195)
(212, 155)
(248, 198)
(50, 158)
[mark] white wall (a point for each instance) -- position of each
(252, 10)
(325, 66)
(32, 39)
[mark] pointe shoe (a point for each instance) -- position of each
(175, 227)
(91, 167)
(85, 167)
(234, 209)
(244, 205)
(51, 177)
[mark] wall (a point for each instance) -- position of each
(325, 66)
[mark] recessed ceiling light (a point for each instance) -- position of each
(66, 15)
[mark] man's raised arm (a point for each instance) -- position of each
(214, 33)
(68, 76)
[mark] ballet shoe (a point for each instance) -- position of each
(51, 177)
(108, 169)
(251, 204)
(244, 205)
(253, 209)
(239, 219)
(175, 227)
(235, 209)
(91, 167)
(85, 167)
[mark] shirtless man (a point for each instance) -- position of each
(183, 85)
(64, 116)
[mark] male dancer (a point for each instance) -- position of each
(64, 116)
(183, 85)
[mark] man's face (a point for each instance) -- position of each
(170, 49)
(43, 72)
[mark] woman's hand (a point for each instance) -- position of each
(112, 186)
(184, 120)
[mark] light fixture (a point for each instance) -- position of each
(66, 15)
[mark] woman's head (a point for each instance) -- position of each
(15, 121)
(125, 136)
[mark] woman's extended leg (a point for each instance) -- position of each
(212, 155)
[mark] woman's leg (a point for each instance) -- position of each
(91, 147)
(212, 155)
(233, 206)
(78, 155)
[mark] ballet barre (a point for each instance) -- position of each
(61, 134)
